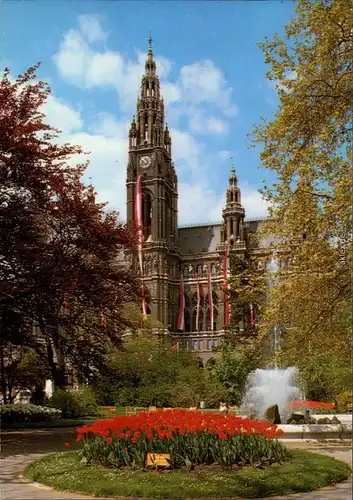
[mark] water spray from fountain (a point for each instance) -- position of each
(271, 386)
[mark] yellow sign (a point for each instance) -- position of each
(157, 460)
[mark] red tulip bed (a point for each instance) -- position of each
(191, 438)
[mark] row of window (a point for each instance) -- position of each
(200, 344)
(196, 323)
(201, 270)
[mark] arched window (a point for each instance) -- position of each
(199, 270)
(213, 269)
(186, 271)
(188, 300)
(147, 214)
(215, 319)
(187, 321)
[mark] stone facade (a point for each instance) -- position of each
(170, 251)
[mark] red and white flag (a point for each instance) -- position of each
(139, 229)
(210, 299)
(226, 285)
(252, 316)
(198, 301)
(180, 323)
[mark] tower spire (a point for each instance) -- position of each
(150, 65)
(148, 128)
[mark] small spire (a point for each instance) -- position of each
(233, 178)
(150, 65)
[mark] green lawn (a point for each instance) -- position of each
(304, 472)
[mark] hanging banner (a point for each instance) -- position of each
(210, 300)
(226, 285)
(198, 301)
(180, 323)
(139, 229)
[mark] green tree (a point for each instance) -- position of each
(24, 370)
(230, 372)
(58, 246)
(247, 296)
(308, 145)
(146, 371)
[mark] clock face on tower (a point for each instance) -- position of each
(145, 161)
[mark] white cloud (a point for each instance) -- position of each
(201, 124)
(204, 82)
(185, 147)
(91, 29)
(171, 92)
(198, 203)
(252, 201)
(81, 66)
(62, 115)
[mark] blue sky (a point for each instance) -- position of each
(212, 74)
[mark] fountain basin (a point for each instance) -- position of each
(316, 431)
(344, 418)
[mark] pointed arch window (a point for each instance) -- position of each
(187, 321)
(147, 214)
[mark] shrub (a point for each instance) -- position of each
(75, 403)
(191, 438)
(28, 413)
(344, 402)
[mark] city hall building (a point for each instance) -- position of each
(182, 267)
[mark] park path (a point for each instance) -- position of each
(19, 448)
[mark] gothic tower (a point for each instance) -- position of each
(150, 157)
(233, 216)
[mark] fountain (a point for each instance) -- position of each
(267, 387)
(279, 386)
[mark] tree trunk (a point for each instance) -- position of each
(54, 355)
(2, 371)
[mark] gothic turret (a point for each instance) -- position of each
(148, 129)
(233, 214)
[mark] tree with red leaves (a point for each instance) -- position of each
(59, 248)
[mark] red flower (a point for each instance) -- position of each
(133, 440)
(137, 434)
(79, 437)
(109, 440)
(67, 445)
